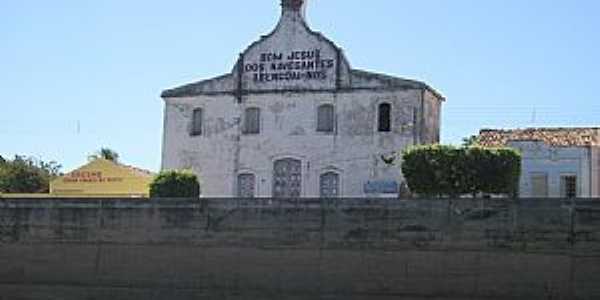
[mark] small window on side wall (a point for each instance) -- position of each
(384, 117)
(325, 118)
(197, 122)
(568, 186)
(251, 121)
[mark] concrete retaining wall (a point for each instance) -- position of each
(299, 249)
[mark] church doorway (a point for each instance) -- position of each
(287, 178)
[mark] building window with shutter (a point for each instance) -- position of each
(568, 186)
(325, 118)
(251, 121)
(197, 122)
(384, 117)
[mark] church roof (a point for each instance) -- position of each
(217, 85)
(556, 136)
(138, 171)
(359, 79)
(387, 81)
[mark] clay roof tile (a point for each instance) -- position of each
(559, 137)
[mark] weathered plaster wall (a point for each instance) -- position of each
(554, 161)
(288, 129)
(431, 118)
(298, 249)
(596, 171)
(209, 155)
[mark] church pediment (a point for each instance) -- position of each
(292, 57)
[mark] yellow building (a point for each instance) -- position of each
(103, 178)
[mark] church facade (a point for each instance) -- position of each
(293, 119)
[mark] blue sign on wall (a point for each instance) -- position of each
(381, 187)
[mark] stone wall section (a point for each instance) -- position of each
(432, 118)
(299, 249)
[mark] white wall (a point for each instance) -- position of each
(555, 162)
(288, 129)
(210, 154)
(596, 171)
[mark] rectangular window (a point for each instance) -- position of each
(539, 185)
(384, 120)
(568, 186)
(325, 118)
(251, 121)
(196, 122)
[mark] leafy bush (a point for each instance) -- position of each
(175, 184)
(440, 170)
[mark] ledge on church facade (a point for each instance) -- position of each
(216, 85)
(366, 79)
(359, 79)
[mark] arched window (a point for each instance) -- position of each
(197, 122)
(384, 117)
(329, 185)
(245, 185)
(251, 121)
(325, 118)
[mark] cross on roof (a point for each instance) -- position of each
(293, 4)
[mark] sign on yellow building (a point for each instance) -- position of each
(103, 178)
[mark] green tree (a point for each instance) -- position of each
(435, 170)
(175, 184)
(27, 175)
(105, 153)
(439, 170)
(502, 172)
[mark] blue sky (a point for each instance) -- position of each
(78, 75)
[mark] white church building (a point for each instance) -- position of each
(293, 119)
